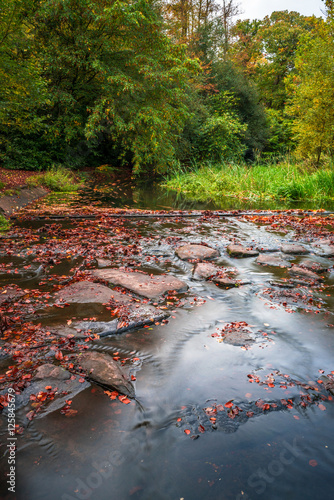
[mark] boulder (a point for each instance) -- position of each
(141, 283)
(187, 252)
(101, 368)
(227, 282)
(103, 262)
(272, 260)
(240, 251)
(294, 249)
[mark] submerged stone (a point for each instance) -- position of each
(196, 252)
(272, 260)
(294, 249)
(240, 251)
(141, 283)
(101, 368)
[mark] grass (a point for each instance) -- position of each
(57, 179)
(4, 224)
(283, 181)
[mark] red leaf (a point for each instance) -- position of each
(187, 431)
(313, 463)
(322, 407)
(229, 404)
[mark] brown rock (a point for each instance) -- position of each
(305, 273)
(294, 249)
(196, 252)
(84, 292)
(227, 282)
(141, 283)
(241, 251)
(103, 369)
(205, 270)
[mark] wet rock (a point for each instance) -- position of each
(141, 283)
(294, 249)
(228, 282)
(205, 270)
(325, 250)
(51, 371)
(328, 383)
(103, 263)
(84, 292)
(304, 273)
(272, 260)
(238, 337)
(313, 266)
(104, 370)
(64, 390)
(267, 249)
(196, 252)
(241, 251)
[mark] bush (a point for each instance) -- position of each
(57, 178)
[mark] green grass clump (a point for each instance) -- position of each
(57, 179)
(283, 181)
(4, 224)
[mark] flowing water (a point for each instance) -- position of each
(178, 440)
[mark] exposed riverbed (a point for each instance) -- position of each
(232, 389)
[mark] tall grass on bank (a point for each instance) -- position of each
(57, 179)
(267, 182)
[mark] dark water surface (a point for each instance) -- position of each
(114, 451)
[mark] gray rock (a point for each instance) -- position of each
(294, 249)
(141, 283)
(102, 369)
(272, 260)
(240, 251)
(238, 337)
(9, 294)
(201, 252)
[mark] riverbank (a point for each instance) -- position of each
(284, 181)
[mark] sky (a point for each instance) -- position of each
(258, 9)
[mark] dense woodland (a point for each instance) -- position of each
(157, 84)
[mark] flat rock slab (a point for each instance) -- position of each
(304, 273)
(188, 252)
(103, 263)
(84, 292)
(227, 282)
(101, 368)
(294, 249)
(51, 371)
(267, 249)
(141, 283)
(272, 260)
(241, 251)
(315, 267)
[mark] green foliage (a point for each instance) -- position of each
(312, 95)
(4, 224)
(212, 182)
(57, 179)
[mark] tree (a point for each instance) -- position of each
(116, 85)
(312, 94)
